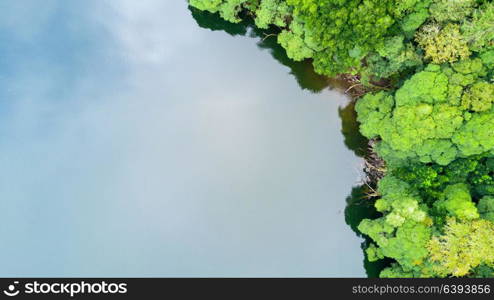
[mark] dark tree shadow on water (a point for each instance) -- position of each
(360, 207)
(303, 71)
(214, 22)
(350, 129)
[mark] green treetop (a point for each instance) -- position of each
(456, 201)
(438, 115)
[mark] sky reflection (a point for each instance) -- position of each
(135, 143)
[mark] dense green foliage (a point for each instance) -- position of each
(435, 130)
(438, 115)
(429, 68)
(342, 32)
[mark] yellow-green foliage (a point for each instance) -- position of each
(451, 10)
(463, 246)
(442, 45)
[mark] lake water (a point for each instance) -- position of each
(139, 139)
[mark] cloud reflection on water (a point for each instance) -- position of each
(135, 143)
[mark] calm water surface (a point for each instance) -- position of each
(139, 139)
